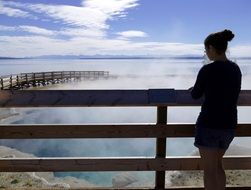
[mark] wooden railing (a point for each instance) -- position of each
(159, 98)
(18, 81)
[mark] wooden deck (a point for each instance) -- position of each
(25, 80)
(159, 98)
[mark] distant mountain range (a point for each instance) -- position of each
(91, 57)
(103, 57)
(111, 57)
(9, 58)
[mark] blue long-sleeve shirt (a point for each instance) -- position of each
(220, 83)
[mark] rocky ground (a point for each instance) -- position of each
(34, 179)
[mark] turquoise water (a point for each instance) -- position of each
(132, 74)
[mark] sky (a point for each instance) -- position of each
(120, 27)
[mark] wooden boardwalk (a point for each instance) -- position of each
(25, 80)
(161, 99)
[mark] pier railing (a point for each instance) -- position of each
(159, 98)
(17, 81)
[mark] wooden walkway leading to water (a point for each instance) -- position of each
(25, 80)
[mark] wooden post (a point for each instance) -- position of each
(26, 77)
(18, 82)
(52, 77)
(160, 148)
(2, 84)
(34, 79)
(11, 81)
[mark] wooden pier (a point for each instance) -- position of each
(161, 99)
(25, 80)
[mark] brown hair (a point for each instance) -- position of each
(219, 40)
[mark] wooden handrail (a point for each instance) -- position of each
(102, 98)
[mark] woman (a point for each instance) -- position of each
(220, 83)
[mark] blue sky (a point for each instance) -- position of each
(120, 27)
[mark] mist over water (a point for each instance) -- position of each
(132, 74)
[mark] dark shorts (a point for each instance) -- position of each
(213, 138)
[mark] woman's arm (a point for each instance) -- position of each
(199, 86)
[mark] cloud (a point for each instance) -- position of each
(88, 20)
(92, 13)
(131, 34)
(12, 12)
(7, 28)
(86, 28)
(82, 32)
(44, 45)
(111, 7)
(37, 30)
(71, 32)
(72, 15)
(29, 29)
(240, 50)
(36, 45)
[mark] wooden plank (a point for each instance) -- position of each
(81, 131)
(245, 98)
(41, 131)
(116, 164)
(81, 98)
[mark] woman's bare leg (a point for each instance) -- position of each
(221, 173)
(214, 175)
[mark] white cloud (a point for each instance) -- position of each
(36, 30)
(7, 28)
(131, 34)
(111, 7)
(38, 45)
(71, 32)
(12, 12)
(88, 20)
(29, 29)
(21, 46)
(240, 51)
(82, 32)
(72, 15)
(93, 13)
